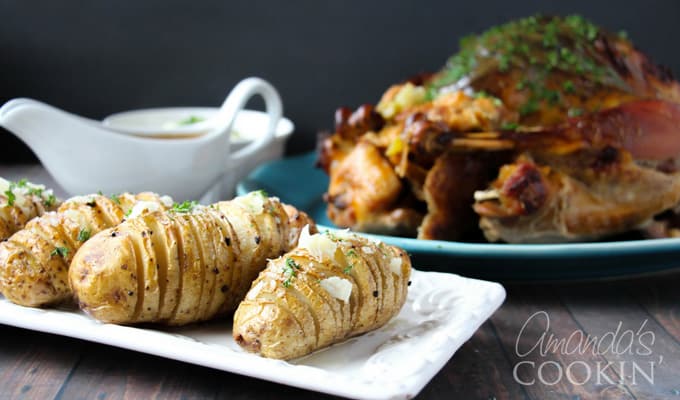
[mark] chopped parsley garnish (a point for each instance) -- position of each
(531, 106)
(184, 207)
(348, 268)
(510, 126)
(575, 112)
(262, 193)
(289, 271)
(59, 251)
(50, 201)
(331, 236)
(552, 96)
(11, 197)
(537, 46)
(115, 198)
(84, 234)
(34, 191)
(192, 119)
(482, 94)
(29, 190)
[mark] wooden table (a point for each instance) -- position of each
(642, 316)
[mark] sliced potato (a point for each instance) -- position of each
(331, 287)
(20, 202)
(190, 265)
(208, 257)
(34, 262)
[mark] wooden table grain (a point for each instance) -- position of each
(606, 339)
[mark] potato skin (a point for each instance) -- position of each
(289, 314)
(208, 258)
(34, 262)
(112, 287)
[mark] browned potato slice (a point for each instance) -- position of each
(246, 229)
(165, 244)
(147, 273)
(203, 231)
(257, 220)
(192, 281)
(219, 235)
(202, 266)
(329, 320)
(331, 287)
(306, 326)
(34, 262)
(364, 305)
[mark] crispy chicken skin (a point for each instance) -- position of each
(554, 199)
(545, 96)
(363, 191)
(597, 176)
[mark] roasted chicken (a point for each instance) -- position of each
(545, 129)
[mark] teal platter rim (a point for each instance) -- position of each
(296, 181)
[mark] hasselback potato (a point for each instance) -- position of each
(34, 262)
(20, 202)
(182, 266)
(331, 287)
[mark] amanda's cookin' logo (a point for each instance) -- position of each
(634, 345)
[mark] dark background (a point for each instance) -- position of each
(96, 58)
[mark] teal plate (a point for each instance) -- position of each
(296, 181)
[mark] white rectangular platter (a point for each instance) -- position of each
(441, 313)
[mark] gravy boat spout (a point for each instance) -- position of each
(85, 156)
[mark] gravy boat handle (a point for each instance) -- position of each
(235, 102)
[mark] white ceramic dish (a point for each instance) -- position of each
(442, 312)
(165, 122)
(176, 121)
(85, 155)
(171, 122)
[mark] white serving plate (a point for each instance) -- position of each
(442, 312)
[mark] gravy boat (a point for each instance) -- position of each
(85, 156)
